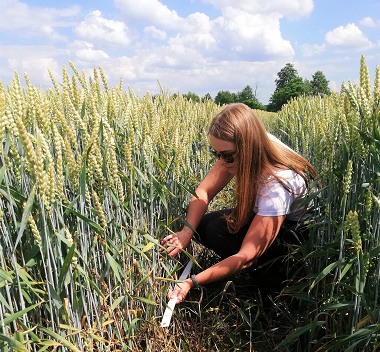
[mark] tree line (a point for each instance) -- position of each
(288, 85)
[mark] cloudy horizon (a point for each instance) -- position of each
(198, 46)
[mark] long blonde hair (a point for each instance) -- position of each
(258, 158)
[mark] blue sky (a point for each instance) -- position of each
(189, 45)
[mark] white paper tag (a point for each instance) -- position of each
(171, 304)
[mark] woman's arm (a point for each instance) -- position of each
(213, 183)
(259, 237)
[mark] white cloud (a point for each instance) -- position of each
(293, 9)
(196, 23)
(139, 68)
(312, 49)
(236, 35)
(348, 38)
(37, 69)
(196, 39)
(31, 52)
(34, 60)
(155, 33)
(258, 35)
(369, 22)
(149, 11)
(18, 15)
(247, 35)
(179, 54)
(84, 51)
(373, 57)
(103, 31)
(46, 31)
(202, 42)
(334, 86)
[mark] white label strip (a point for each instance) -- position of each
(171, 304)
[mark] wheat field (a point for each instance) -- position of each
(92, 177)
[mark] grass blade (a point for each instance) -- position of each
(2, 173)
(299, 332)
(324, 272)
(25, 216)
(13, 344)
(59, 338)
(17, 315)
(114, 265)
(65, 267)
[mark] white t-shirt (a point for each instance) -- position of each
(274, 200)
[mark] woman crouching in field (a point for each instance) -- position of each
(271, 182)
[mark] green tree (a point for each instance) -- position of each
(307, 84)
(285, 76)
(207, 97)
(319, 84)
(225, 97)
(295, 88)
(254, 104)
(245, 94)
(192, 96)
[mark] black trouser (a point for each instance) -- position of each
(214, 234)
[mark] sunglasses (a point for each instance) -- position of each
(227, 157)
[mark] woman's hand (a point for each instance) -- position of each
(181, 290)
(174, 243)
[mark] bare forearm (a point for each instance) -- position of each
(196, 210)
(223, 269)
